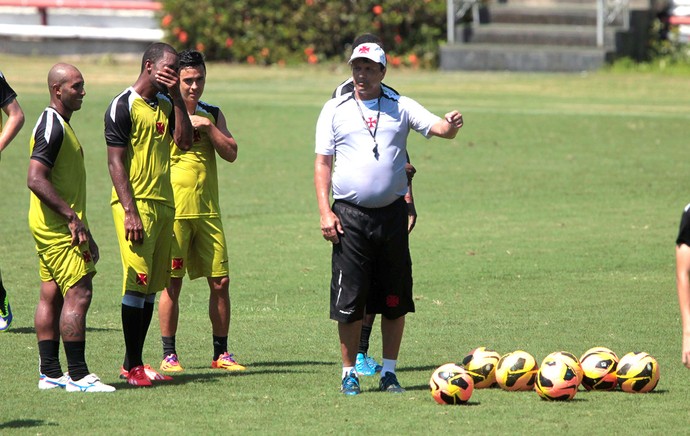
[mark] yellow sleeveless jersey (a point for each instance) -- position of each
(194, 173)
(144, 128)
(54, 144)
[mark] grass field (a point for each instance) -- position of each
(547, 224)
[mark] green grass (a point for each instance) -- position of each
(547, 224)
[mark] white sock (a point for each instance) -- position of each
(347, 370)
(388, 366)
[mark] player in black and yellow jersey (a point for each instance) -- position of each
(66, 249)
(8, 131)
(199, 244)
(141, 125)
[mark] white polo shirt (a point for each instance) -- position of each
(361, 176)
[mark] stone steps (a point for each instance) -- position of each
(534, 58)
(543, 35)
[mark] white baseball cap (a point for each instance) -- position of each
(369, 50)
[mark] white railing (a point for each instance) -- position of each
(607, 12)
(457, 9)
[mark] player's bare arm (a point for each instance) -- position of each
(220, 136)
(93, 248)
(184, 132)
(38, 181)
(15, 121)
(683, 287)
(134, 228)
(448, 126)
(330, 224)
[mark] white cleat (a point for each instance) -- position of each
(90, 383)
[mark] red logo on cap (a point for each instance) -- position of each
(364, 49)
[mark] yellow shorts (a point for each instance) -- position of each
(146, 266)
(65, 264)
(199, 248)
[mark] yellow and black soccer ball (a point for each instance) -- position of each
(516, 371)
(569, 358)
(638, 372)
(481, 363)
(556, 380)
(599, 369)
(451, 384)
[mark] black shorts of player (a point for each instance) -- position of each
(684, 231)
(371, 265)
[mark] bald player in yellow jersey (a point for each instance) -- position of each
(141, 125)
(67, 253)
(199, 246)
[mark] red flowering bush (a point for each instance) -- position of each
(298, 31)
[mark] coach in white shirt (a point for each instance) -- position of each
(361, 141)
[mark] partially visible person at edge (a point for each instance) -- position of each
(199, 245)
(8, 131)
(361, 141)
(67, 252)
(141, 124)
(365, 364)
(683, 282)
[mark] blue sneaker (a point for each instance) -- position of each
(389, 383)
(373, 364)
(5, 314)
(350, 384)
(362, 365)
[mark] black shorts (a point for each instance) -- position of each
(684, 231)
(371, 266)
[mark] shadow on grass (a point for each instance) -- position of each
(183, 379)
(26, 423)
(293, 363)
(32, 331)
(416, 368)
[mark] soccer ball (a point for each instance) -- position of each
(638, 372)
(480, 363)
(516, 371)
(599, 369)
(451, 384)
(556, 380)
(569, 358)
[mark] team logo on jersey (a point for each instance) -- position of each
(364, 49)
(142, 279)
(160, 128)
(392, 300)
(371, 122)
(177, 263)
(86, 255)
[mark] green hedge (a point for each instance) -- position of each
(296, 31)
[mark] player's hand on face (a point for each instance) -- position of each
(134, 228)
(78, 231)
(331, 228)
(169, 78)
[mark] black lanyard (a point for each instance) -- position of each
(366, 125)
